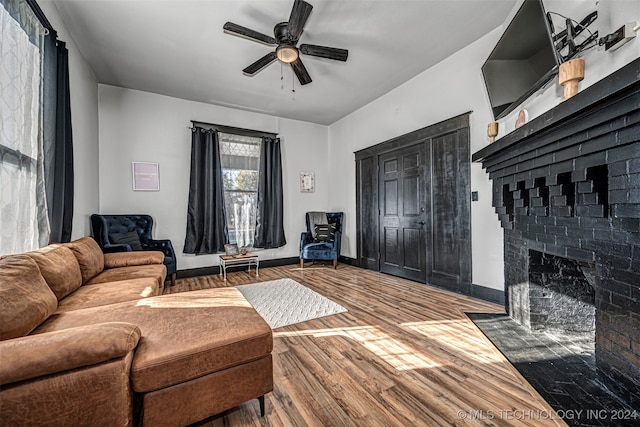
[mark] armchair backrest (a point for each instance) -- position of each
(333, 218)
(103, 225)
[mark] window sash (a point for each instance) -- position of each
(240, 158)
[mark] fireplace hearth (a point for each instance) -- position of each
(566, 188)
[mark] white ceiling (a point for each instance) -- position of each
(177, 48)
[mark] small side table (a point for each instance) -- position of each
(247, 259)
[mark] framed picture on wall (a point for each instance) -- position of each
(145, 176)
(307, 182)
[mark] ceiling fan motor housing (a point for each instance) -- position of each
(282, 35)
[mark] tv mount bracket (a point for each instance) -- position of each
(567, 37)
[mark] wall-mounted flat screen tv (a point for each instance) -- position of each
(523, 60)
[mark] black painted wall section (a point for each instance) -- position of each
(567, 184)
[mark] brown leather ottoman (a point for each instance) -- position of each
(201, 352)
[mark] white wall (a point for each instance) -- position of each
(140, 126)
(612, 14)
(84, 122)
(450, 88)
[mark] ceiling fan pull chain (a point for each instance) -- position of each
(281, 77)
(293, 82)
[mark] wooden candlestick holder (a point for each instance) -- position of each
(570, 73)
(492, 131)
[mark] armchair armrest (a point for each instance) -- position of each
(49, 353)
(337, 239)
(305, 239)
(116, 247)
(162, 245)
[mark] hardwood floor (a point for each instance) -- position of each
(403, 355)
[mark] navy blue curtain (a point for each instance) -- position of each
(206, 214)
(269, 216)
(58, 141)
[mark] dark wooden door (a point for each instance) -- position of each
(367, 218)
(449, 259)
(402, 197)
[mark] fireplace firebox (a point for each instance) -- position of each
(566, 188)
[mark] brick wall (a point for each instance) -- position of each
(567, 184)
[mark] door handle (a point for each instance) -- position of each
(421, 222)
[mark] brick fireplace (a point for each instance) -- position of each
(566, 188)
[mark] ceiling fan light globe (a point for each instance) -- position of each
(287, 54)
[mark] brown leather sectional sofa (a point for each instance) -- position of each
(87, 339)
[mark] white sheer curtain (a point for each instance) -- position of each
(240, 157)
(23, 210)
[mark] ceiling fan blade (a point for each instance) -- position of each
(249, 34)
(299, 14)
(301, 72)
(260, 64)
(325, 52)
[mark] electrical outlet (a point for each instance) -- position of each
(618, 38)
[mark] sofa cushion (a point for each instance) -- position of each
(184, 336)
(60, 269)
(25, 298)
(110, 293)
(33, 356)
(155, 271)
(125, 259)
(89, 256)
(131, 238)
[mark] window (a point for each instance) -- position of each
(242, 174)
(240, 157)
(23, 210)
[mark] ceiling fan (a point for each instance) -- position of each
(286, 37)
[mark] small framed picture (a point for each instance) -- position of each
(231, 249)
(145, 176)
(307, 182)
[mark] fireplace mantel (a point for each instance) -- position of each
(567, 184)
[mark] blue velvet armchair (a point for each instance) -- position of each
(114, 234)
(313, 249)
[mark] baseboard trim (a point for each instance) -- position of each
(197, 272)
(349, 261)
(495, 296)
(215, 269)
(277, 262)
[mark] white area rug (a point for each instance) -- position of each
(285, 302)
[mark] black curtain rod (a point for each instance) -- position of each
(33, 4)
(234, 130)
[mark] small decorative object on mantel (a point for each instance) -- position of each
(570, 73)
(492, 131)
(307, 182)
(523, 116)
